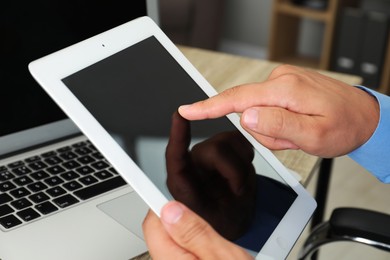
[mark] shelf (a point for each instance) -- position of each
(285, 31)
(293, 10)
(286, 24)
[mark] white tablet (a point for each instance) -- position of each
(122, 89)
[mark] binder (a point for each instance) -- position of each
(373, 49)
(348, 41)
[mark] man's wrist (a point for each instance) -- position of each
(373, 154)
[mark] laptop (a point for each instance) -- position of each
(59, 197)
(122, 88)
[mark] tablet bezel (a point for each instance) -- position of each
(50, 70)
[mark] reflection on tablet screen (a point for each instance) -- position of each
(208, 164)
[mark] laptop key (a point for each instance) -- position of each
(70, 175)
(39, 197)
(6, 175)
(86, 159)
(102, 175)
(98, 155)
(37, 165)
(99, 188)
(37, 186)
(85, 170)
(46, 207)
(79, 144)
(6, 186)
(100, 165)
(22, 170)
(28, 214)
(32, 159)
(16, 164)
(5, 210)
(71, 165)
(53, 181)
(56, 191)
(24, 180)
(73, 185)
(88, 180)
(4, 198)
(55, 169)
(53, 160)
(68, 155)
(39, 175)
(20, 192)
(21, 204)
(83, 150)
(10, 221)
(65, 201)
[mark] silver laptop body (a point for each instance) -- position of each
(59, 198)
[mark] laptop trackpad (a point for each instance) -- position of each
(128, 210)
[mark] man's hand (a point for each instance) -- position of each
(181, 234)
(297, 109)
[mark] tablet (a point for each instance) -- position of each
(122, 89)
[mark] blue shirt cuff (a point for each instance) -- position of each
(374, 155)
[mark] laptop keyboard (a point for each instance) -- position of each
(47, 183)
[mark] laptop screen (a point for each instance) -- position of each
(32, 29)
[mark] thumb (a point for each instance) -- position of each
(196, 236)
(277, 128)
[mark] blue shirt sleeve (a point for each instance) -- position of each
(374, 155)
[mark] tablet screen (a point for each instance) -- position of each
(208, 165)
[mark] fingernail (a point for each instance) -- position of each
(171, 213)
(183, 107)
(250, 118)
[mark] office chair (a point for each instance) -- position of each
(349, 224)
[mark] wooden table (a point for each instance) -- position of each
(224, 71)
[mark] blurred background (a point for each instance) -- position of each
(332, 35)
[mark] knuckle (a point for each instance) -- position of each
(278, 125)
(282, 69)
(291, 79)
(194, 232)
(231, 92)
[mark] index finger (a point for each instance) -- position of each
(237, 99)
